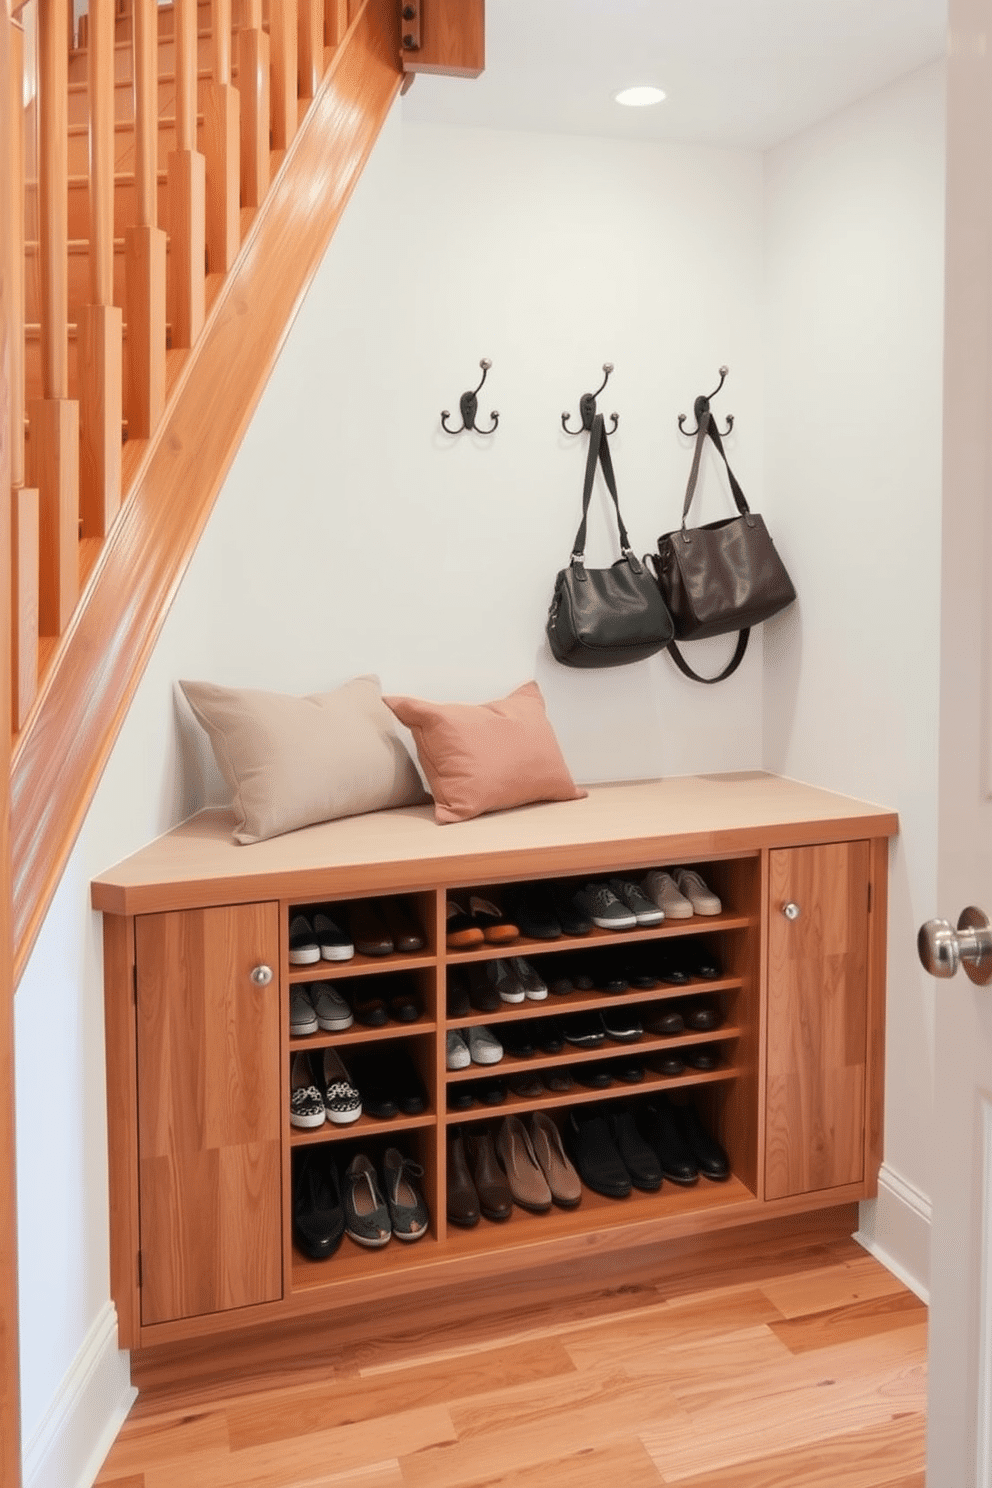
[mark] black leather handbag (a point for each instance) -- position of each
(723, 577)
(604, 617)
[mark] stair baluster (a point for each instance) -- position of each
(253, 85)
(53, 449)
(101, 322)
(145, 243)
(24, 499)
(187, 192)
(222, 148)
(283, 24)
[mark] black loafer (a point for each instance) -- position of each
(588, 1143)
(517, 1042)
(664, 1134)
(532, 911)
(666, 1021)
(640, 1160)
(594, 1076)
(620, 1026)
(630, 1071)
(712, 1160)
(669, 1064)
(318, 1214)
(489, 1092)
(701, 1014)
(585, 1031)
(460, 1097)
(701, 1056)
(568, 914)
(371, 1077)
(671, 970)
(550, 1039)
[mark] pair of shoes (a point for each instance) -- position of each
(316, 939)
(317, 1005)
(476, 1182)
(376, 1000)
(537, 1169)
(681, 893)
(328, 1095)
(695, 1014)
(604, 908)
(610, 1153)
(318, 1212)
(516, 980)
(683, 1145)
(482, 922)
(478, 1043)
(548, 911)
(374, 1214)
(381, 927)
(388, 1082)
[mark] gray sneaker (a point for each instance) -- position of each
(605, 909)
(302, 1017)
(407, 1210)
(333, 1013)
(644, 910)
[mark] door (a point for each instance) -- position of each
(817, 1018)
(959, 1451)
(209, 1185)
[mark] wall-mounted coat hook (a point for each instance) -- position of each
(469, 405)
(587, 407)
(702, 405)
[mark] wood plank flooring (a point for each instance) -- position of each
(784, 1359)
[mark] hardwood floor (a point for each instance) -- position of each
(780, 1357)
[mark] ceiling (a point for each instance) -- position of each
(744, 73)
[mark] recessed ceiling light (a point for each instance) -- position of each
(639, 97)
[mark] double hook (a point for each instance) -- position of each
(702, 405)
(587, 408)
(469, 405)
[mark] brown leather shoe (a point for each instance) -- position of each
(563, 1180)
(495, 1198)
(463, 1201)
(369, 931)
(402, 926)
(523, 1171)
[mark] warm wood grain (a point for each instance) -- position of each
(187, 246)
(24, 601)
(452, 40)
(208, 1112)
(101, 150)
(335, 21)
(100, 359)
(283, 45)
(61, 752)
(617, 826)
(14, 195)
(145, 255)
(222, 152)
(220, 35)
(10, 328)
(120, 1036)
(582, 1378)
(253, 86)
(144, 70)
(878, 927)
(817, 1019)
(53, 469)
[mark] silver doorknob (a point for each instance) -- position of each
(790, 910)
(943, 949)
(261, 975)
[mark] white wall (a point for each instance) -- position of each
(352, 535)
(854, 319)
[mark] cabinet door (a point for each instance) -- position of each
(208, 1111)
(817, 1018)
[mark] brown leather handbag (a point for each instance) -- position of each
(722, 577)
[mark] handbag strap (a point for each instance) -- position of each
(708, 429)
(743, 637)
(599, 453)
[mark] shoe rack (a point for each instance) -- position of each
(193, 924)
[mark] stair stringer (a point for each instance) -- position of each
(60, 754)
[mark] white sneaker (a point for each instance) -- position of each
(456, 1055)
(483, 1045)
(662, 888)
(699, 894)
(504, 979)
(534, 988)
(644, 910)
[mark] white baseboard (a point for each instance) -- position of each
(68, 1448)
(895, 1228)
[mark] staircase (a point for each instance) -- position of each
(177, 173)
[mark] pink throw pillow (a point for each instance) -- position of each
(488, 756)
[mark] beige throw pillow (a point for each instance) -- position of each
(293, 761)
(488, 756)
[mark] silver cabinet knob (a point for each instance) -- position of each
(790, 910)
(261, 975)
(942, 949)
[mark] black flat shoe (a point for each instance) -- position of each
(584, 1031)
(711, 1158)
(663, 1133)
(640, 1160)
(588, 1143)
(701, 1056)
(533, 912)
(318, 1214)
(594, 1076)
